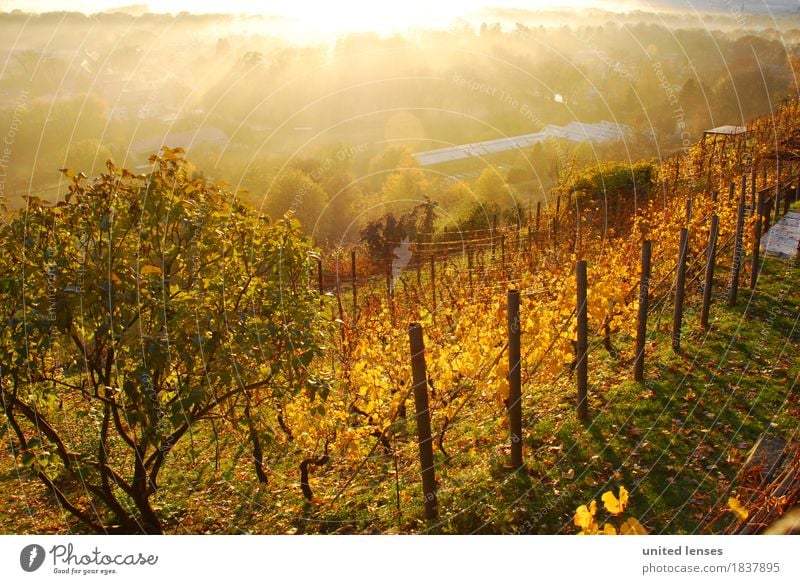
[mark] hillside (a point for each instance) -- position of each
(328, 442)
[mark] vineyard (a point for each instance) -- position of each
(489, 381)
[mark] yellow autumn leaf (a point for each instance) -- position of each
(608, 529)
(583, 518)
(740, 512)
(501, 371)
(612, 504)
(148, 269)
(632, 527)
(623, 497)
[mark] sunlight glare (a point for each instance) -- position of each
(316, 18)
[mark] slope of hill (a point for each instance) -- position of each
(342, 455)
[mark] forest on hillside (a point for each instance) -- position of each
(340, 119)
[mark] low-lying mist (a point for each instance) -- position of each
(335, 122)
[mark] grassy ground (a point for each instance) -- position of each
(676, 443)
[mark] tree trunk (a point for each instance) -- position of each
(149, 523)
(258, 452)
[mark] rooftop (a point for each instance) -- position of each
(727, 130)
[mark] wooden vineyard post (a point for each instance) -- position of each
(514, 380)
(423, 419)
(433, 284)
(339, 288)
(530, 237)
(709, 283)
(688, 210)
(680, 286)
(469, 270)
(554, 222)
(753, 175)
(494, 234)
(503, 252)
(582, 348)
(787, 200)
(538, 214)
(319, 275)
(797, 255)
(353, 280)
(390, 291)
(777, 204)
(737, 252)
(731, 190)
(766, 215)
(756, 242)
(641, 322)
(744, 186)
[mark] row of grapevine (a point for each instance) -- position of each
(782, 193)
(457, 296)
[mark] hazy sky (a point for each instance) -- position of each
(320, 16)
(301, 6)
(420, 7)
(337, 16)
